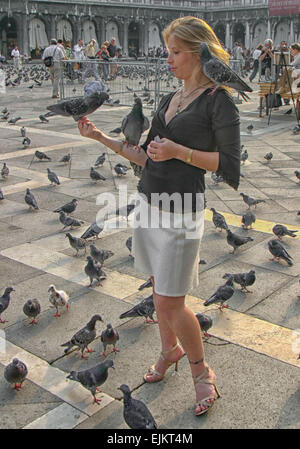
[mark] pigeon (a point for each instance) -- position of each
(4, 171)
(30, 200)
(4, 301)
(144, 308)
(26, 142)
(23, 131)
(216, 179)
(14, 120)
(123, 166)
(250, 201)
(279, 252)
(93, 231)
(235, 240)
(32, 308)
(116, 131)
(135, 123)
(66, 158)
(268, 156)
(93, 377)
(69, 207)
(96, 176)
(42, 156)
(84, 337)
(4, 111)
(244, 279)
(15, 373)
(136, 413)
(125, 211)
(220, 73)
(109, 337)
(146, 284)
(244, 157)
(53, 178)
(247, 219)
(58, 298)
(280, 231)
(289, 111)
(43, 119)
(297, 173)
(100, 160)
(49, 114)
(100, 255)
(250, 128)
(121, 171)
(205, 322)
(79, 107)
(222, 294)
(69, 221)
(218, 220)
(76, 243)
(1, 195)
(129, 245)
(93, 271)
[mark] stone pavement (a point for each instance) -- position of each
(255, 343)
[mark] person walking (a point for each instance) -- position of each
(15, 54)
(256, 54)
(103, 55)
(113, 54)
(92, 67)
(199, 129)
(55, 69)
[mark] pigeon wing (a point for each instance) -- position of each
(221, 73)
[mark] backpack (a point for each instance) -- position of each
(48, 61)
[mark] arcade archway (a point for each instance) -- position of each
(133, 39)
(8, 36)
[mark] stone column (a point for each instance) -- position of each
(125, 37)
(146, 35)
(247, 36)
(53, 27)
(227, 37)
(141, 37)
(292, 36)
(25, 49)
(269, 30)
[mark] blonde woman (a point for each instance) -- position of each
(197, 131)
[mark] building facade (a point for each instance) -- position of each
(136, 24)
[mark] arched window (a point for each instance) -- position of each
(112, 30)
(64, 31)
(38, 39)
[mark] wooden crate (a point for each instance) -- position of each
(267, 89)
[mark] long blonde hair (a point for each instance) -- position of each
(191, 31)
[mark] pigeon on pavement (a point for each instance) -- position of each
(100, 160)
(15, 373)
(43, 119)
(144, 308)
(297, 173)
(222, 294)
(205, 322)
(1, 195)
(93, 377)
(42, 156)
(244, 157)
(76, 243)
(216, 179)
(135, 123)
(129, 245)
(93, 231)
(250, 128)
(69, 221)
(244, 279)
(120, 171)
(250, 201)
(236, 241)
(66, 158)
(84, 337)
(136, 413)
(23, 131)
(247, 219)
(4, 171)
(220, 73)
(146, 284)
(68, 208)
(53, 178)
(32, 308)
(109, 337)
(94, 271)
(26, 142)
(125, 211)
(4, 301)
(58, 298)
(79, 107)
(96, 176)
(30, 200)
(280, 231)
(268, 156)
(14, 120)
(218, 220)
(279, 252)
(100, 255)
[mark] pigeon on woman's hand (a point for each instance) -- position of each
(135, 123)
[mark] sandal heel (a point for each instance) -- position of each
(156, 375)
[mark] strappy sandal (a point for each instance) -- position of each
(156, 375)
(209, 401)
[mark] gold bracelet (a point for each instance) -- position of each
(189, 158)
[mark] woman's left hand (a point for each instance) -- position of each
(162, 151)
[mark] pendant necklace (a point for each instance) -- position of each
(178, 109)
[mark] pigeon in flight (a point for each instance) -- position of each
(30, 200)
(220, 73)
(135, 123)
(243, 279)
(79, 107)
(222, 294)
(136, 413)
(236, 241)
(279, 252)
(250, 201)
(32, 308)
(280, 231)
(15, 373)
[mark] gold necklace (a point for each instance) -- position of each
(178, 109)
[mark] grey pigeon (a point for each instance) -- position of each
(1, 195)
(279, 252)
(216, 179)
(251, 201)
(280, 231)
(15, 373)
(23, 131)
(297, 173)
(109, 337)
(96, 176)
(135, 123)
(116, 131)
(4, 171)
(137, 169)
(53, 178)
(93, 271)
(244, 157)
(30, 200)
(222, 294)
(66, 158)
(146, 284)
(79, 107)
(136, 413)
(100, 160)
(268, 156)
(236, 241)
(32, 308)
(76, 243)
(100, 255)
(42, 156)
(69, 221)
(144, 308)
(218, 220)
(4, 301)
(220, 73)
(243, 279)
(93, 377)
(93, 231)
(4, 111)
(84, 337)
(250, 128)
(43, 119)
(68, 208)
(121, 171)
(248, 219)
(129, 245)
(14, 120)
(26, 142)
(205, 322)
(125, 211)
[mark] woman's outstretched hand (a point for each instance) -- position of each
(88, 129)
(162, 151)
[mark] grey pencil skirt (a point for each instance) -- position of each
(169, 249)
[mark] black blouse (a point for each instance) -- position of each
(208, 123)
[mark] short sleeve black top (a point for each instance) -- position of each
(112, 50)
(209, 123)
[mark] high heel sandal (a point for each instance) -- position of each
(203, 402)
(156, 375)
